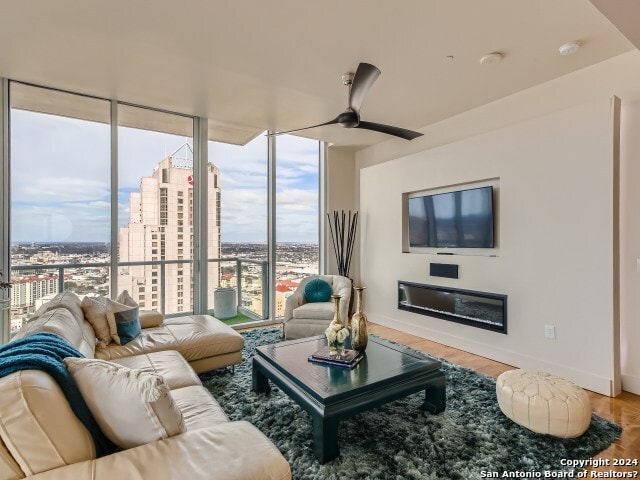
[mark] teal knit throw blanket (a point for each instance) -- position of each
(45, 352)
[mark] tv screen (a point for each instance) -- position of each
(462, 219)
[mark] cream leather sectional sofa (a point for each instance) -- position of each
(41, 438)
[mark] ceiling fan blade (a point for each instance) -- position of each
(330, 122)
(365, 77)
(389, 130)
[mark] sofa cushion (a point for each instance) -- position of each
(150, 318)
(95, 311)
(132, 407)
(194, 336)
(38, 426)
(66, 299)
(317, 311)
(61, 322)
(169, 364)
(198, 407)
(71, 302)
(227, 451)
(317, 290)
(216, 362)
(9, 469)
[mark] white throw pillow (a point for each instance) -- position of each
(95, 311)
(132, 407)
(126, 299)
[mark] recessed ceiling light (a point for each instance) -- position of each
(569, 48)
(495, 57)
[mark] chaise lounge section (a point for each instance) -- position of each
(205, 342)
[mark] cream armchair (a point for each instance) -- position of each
(302, 319)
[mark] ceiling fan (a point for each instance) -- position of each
(359, 84)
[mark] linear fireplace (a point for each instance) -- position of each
(478, 309)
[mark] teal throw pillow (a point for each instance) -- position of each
(317, 290)
(125, 320)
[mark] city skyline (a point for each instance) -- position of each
(57, 196)
(41, 280)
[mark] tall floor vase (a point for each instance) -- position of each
(359, 334)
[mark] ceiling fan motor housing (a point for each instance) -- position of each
(348, 119)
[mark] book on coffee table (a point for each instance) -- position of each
(348, 359)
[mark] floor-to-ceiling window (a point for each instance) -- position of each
(100, 187)
(239, 192)
(155, 208)
(60, 196)
(297, 211)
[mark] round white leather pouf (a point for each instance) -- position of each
(544, 403)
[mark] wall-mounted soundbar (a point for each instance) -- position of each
(446, 270)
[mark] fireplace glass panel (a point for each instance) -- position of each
(480, 309)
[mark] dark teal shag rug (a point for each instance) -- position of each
(400, 441)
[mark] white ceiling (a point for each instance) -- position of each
(277, 64)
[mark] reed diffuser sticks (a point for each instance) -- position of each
(343, 235)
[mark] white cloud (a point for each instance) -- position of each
(299, 208)
(244, 215)
(44, 189)
(97, 205)
(297, 197)
(58, 147)
(61, 180)
(58, 223)
(243, 180)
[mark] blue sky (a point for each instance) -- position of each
(60, 181)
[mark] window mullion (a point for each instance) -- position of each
(200, 211)
(271, 226)
(113, 269)
(4, 203)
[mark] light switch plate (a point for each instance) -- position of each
(550, 331)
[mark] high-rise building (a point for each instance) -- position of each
(29, 288)
(160, 228)
(284, 289)
(25, 293)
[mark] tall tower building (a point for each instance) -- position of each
(161, 228)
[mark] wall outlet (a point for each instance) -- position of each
(550, 331)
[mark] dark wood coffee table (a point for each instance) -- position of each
(330, 394)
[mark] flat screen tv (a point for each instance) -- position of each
(462, 219)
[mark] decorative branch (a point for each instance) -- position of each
(343, 237)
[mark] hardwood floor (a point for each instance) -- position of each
(624, 409)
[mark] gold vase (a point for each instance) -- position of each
(359, 335)
(336, 315)
(335, 348)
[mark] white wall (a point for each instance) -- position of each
(630, 246)
(341, 195)
(552, 149)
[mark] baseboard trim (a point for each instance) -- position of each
(631, 383)
(585, 379)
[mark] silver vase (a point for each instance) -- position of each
(359, 334)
